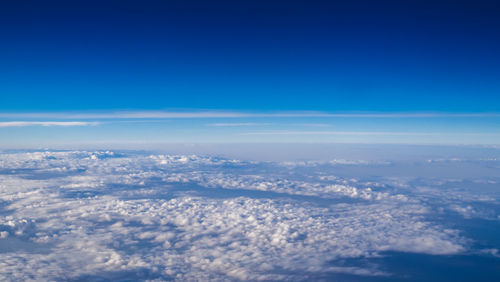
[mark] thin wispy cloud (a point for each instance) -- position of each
(357, 133)
(368, 133)
(237, 124)
(313, 124)
(45, 123)
(243, 124)
(233, 114)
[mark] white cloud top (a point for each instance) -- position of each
(106, 215)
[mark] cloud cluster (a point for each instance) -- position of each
(106, 215)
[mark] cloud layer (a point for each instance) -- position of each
(109, 215)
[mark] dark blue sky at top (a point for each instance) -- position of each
(375, 56)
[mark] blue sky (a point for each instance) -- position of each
(262, 57)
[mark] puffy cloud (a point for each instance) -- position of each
(105, 215)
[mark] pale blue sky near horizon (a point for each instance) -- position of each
(143, 128)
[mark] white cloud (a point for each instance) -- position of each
(84, 214)
(45, 123)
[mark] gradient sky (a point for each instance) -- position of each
(382, 57)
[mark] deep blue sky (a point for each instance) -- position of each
(340, 56)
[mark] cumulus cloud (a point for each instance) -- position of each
(81, 215)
